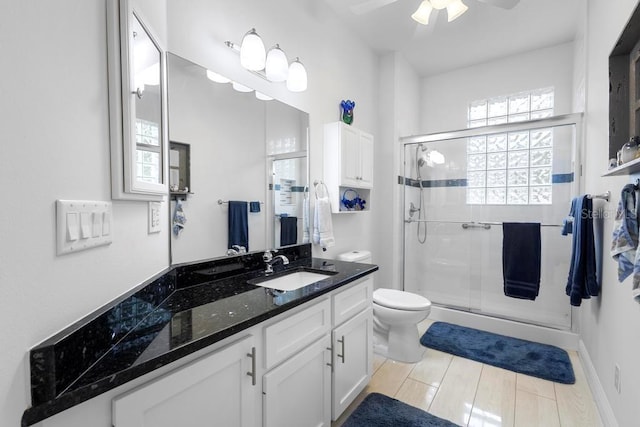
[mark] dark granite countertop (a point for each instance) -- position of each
(154, 324)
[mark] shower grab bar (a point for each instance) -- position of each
(471, 224)
(467, 225)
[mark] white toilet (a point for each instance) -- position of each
(396, 315)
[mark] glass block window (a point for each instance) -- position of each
(148, 151)
(513, 168)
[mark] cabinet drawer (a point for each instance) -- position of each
(296, 332)
(350, 302)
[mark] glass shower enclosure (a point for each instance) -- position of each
(459, 187)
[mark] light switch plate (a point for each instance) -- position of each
(78, 225)
(154, 217)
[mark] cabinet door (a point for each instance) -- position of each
(350, 141)
(213, 390)
(366, 160)
(298, 392)
(353, 360)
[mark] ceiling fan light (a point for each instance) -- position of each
(455, 9)
(297, 80)
(252, 52)
(215, 77)
(423, 12)
(441, 4)
(277, 66)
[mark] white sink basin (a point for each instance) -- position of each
(291, 281)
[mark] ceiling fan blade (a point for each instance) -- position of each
(505, 4)
(369, 6)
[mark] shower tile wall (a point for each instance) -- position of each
(463, 268)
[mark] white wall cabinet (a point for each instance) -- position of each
(213, 390)
(297, 393)
(348, 163)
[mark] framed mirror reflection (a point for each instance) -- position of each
(242, 149)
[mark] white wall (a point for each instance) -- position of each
(399, 113)
(55, 130)
(55, 145)
(609, 323)
(445, 97)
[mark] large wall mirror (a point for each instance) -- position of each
(241, 148)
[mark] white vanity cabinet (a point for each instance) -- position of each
(297, 393)
(218, 389)
(348, 162)
(306, 365)
(352, 343)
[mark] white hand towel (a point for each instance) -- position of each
(322, 225)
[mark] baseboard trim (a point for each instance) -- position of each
(599, 396)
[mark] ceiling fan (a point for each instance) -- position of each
(455, 8)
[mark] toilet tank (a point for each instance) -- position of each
(356, 256)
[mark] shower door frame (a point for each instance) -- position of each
(573, 119)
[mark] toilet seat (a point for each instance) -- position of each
(400, 300)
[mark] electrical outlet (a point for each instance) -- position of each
(616, 378)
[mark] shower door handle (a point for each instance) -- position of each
(468, 225)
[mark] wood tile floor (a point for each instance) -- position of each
(473, 394)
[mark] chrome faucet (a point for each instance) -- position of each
(269, 260)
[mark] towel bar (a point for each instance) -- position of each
(477, 224)
(224, 202)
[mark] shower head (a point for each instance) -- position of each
(422, 156)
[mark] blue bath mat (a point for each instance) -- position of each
(526, 357)
(378, 410)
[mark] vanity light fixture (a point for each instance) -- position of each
(277, 66)
(261, 96)
(240, 87)
(297, 81)
(218, 78)
(272, 65)
(252, 52)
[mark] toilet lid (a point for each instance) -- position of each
(393, 298)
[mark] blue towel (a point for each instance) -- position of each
(625, 232)
(288, 230)
(521, 259)
(254, 206)
(238, 225)
(582, 282)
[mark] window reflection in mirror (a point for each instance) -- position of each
(146, 78)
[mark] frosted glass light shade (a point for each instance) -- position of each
(240, 88)
(297, 81)
(277, 66)
(261, 96)
(455, 9)
(441, 4)
(215, 77)
(423, 12)
(252, 52)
